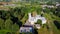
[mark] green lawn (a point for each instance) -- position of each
(52, 28)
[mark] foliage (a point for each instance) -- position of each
(1, 24)
(39, 22)
(8, 24)
(11, 20)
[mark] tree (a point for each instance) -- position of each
(1, 23)
(8, 24)
(2, 14)
(39, 22)
(15, 14)
(47, 10)
(15, 28)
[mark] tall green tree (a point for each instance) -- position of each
(1, 23)
(15, 27)
(8, 24)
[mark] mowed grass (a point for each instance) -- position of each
(52, 28)
(51, 23)
(43, 31)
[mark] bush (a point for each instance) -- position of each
(39, 22)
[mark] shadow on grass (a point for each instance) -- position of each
(35, 31)
(15, 20)
(57, 24)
